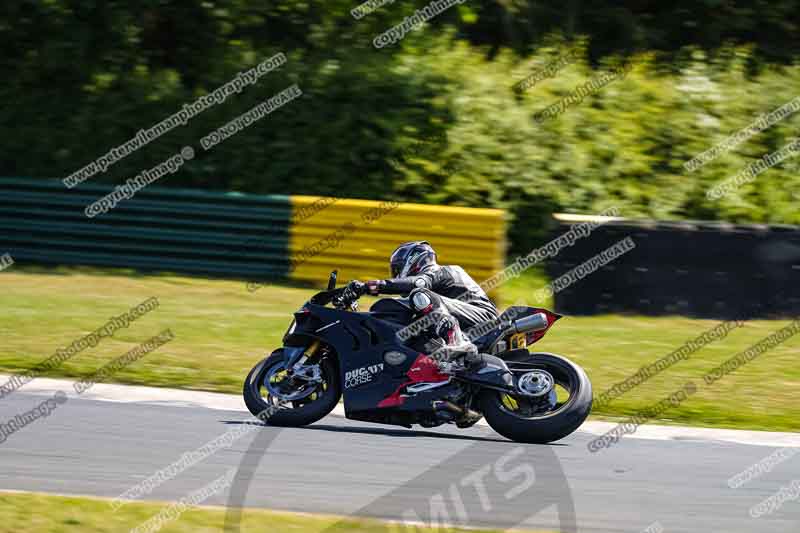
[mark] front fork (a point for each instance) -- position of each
(296, 357)
(295, 374)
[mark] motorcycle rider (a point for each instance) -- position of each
(448, 298)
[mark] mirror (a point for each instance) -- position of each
(332, 280)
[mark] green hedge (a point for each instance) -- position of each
(432, 119)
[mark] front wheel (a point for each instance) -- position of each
(292, 401)
(557, 400)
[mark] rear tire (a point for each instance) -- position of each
(548, 427)
(301, 415)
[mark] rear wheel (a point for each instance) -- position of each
(557, 400)
(291, 400)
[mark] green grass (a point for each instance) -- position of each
(221, 330)
(40, 513)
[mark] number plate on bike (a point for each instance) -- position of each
(517, 340)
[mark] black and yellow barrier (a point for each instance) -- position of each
(357, 236)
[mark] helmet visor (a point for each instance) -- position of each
(397, 263)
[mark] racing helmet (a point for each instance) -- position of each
(411, 258)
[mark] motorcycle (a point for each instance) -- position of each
(330, 352)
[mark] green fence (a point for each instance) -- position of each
(160, 229)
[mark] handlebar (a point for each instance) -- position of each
(336, 297)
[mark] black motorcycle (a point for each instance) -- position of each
(329, 351)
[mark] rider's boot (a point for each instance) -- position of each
(445, 342)
(449, 347)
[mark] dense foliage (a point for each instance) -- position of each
(432, 118)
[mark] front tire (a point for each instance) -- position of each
(548, 426)
(301, 413)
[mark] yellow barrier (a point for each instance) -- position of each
(367, 232)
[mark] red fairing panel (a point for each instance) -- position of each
(423, 370)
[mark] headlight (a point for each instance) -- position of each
(292, 327)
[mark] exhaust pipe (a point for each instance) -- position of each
(535, 322)
(465, 414)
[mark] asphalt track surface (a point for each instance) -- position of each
(342, 467)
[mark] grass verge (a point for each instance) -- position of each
(221, 330)
(43, 513)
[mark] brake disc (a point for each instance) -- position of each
(280, 384)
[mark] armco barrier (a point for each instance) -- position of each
(233, 235)
(159, 229)
(473, 238)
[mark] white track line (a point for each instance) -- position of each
(233, 402)
(136, 394)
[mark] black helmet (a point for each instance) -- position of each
(411, 258)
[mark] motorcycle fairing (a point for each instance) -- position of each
(374, 390)
(360, 341)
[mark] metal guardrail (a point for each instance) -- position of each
(236, 235)
(159, 229)
(470, 237)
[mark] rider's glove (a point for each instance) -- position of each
(353, 290)
(375, 286)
